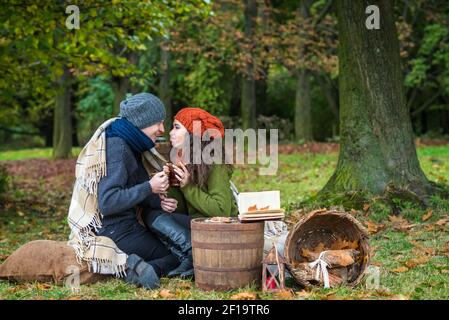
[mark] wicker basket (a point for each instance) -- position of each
(326, 227)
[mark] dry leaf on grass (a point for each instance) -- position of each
(244, 296)
(166, 294)
(366, 207)
(400, 269)
(43, 286)
(441, 222)
(284, 295)
(373, 227)
(302, 294)
(416, 261)
(401, 224)
(427, 215)
(185, 285)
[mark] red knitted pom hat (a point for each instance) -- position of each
(188, 115)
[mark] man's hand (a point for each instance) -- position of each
(159, 182)
(168, 204)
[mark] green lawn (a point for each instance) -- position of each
(413, 262)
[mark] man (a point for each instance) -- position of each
(123, 185)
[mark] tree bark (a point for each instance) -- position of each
(248, 103)
(164, 84)
(377, 151)
(120, 85)
(62, 132)
(303, 110)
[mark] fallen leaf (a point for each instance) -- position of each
(43, 286)
(416, 261)
(441, 222)
(252, 208)
(284, 295)
(427, 215)
(341, 244)
(397, 219)
(185, 285)
(400, 269)
(166, 294)
(366, 207)
(244, 296)
(303, 294)
(373, 227)
(311, 254)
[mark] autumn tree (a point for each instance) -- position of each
(38, 44)
(377, 151)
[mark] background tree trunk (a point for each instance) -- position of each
(303, 109)
(62, 132)
(164, 85)
(377, 148)
(120, 85)
(248, 104)
(303, 113)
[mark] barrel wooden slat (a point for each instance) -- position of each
(227, 255)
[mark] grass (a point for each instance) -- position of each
(299, 176)
(32, 153)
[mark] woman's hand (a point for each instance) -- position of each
(182, 174)
(159, 182)
(168, 204)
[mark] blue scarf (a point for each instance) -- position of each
(133, 136)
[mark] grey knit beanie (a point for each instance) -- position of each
(142, 110)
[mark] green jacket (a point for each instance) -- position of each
(217, 200)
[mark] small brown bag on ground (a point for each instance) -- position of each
(46, 261)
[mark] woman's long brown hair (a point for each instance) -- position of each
(199, 173)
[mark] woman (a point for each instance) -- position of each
(204, 188)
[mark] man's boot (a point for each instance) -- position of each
(141, 273)
(177, 239)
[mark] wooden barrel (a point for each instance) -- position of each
(227, 255)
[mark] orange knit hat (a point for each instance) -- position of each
(187, 115)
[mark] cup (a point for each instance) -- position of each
(172, 180)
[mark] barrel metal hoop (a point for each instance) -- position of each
(214, 269)
(227, 246)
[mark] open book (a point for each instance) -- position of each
(260, 206)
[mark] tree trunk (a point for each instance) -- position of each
(248, 104)
(377, 151)
(329, 92)
(164, 84)
(120, 85)
(262, 82)
(303, 110)
(62, 132)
